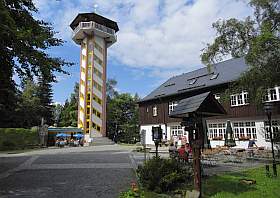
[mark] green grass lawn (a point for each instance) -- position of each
(229, 185)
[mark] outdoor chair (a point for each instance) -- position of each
(209, 160)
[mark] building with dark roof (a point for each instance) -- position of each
(247, 120)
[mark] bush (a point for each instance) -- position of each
(17, 138)
(8, 145)
(131, 194)
(163, 175)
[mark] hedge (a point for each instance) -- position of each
(18, 138)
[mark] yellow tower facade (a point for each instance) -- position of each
(94, 33)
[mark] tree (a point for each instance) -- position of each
(57, 113)
(28, 112)
(122, 116)
(44, 93)
(257, 39)
(23, 44)
(69, 113)
(111, 88)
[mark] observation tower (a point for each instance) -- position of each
(94, 33)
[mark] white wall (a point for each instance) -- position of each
(260, 141)
(259, 123)
(148, 129)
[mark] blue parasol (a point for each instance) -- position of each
(78, 135)
(61, 135)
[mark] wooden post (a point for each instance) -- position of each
(196, 142)
(197, 165)
(156, 143)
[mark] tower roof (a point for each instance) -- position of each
(86, 17)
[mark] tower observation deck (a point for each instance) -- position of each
(94, 33)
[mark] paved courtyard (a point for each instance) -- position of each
(211, 166)
(101, 171)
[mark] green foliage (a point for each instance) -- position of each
(122, 115)
(258, 40)
(132, 194)
(45, 94)
(24, 41)
(163, 175)
(17, 138)
(34, 103)
(57, 113)
(69, 112)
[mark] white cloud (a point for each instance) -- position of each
(162, 35)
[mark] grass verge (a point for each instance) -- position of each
(229, 185)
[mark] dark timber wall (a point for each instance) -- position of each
(162, 117)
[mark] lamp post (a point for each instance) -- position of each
(268, 108)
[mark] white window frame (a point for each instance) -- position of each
(245, 129)
(275, 125)
(217, 96)
(171, 106)
(233, 100)
(155, 111)
(176, 130)
(216, 130)
(269, 96)
(239, 99)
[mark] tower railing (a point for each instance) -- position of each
(93, 25)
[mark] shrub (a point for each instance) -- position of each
(17, 138)
(8, 145)
(131, 194)
(163, 175)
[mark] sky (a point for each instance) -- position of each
(157, 38)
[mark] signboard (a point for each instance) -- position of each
(143, 137)
(157, 133)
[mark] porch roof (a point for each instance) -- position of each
(204, 104)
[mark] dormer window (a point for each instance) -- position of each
(192, 81)
(239, 99)
(214, 76)
(170, 84)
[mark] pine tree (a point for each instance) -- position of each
(44, 93)
(23, 44)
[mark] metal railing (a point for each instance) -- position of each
(92, 25)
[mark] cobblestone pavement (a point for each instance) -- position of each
(101, 171)
(213, 167)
